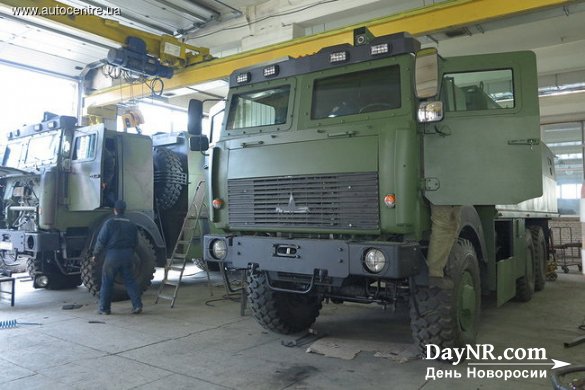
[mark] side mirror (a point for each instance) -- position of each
(198, 143)
(195, 117)
(426, 73)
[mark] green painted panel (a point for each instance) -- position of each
(483, 157)
(354, 154)
(506, 280)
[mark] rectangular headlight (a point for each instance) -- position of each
(379, 49)
(340, 56)
(243, 77)
(271, 71)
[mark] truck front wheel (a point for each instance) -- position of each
(279, 311)
(449, 317)
(144, 262)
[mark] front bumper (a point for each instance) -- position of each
(28, 241)
(333, 258)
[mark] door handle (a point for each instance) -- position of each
(350, 133)
(527, 141)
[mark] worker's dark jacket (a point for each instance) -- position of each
(118, 238)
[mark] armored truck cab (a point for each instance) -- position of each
(59, 183)
(326, 166)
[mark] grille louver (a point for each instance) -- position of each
(336, 201)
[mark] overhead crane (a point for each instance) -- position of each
(140, 48)
(195, 70)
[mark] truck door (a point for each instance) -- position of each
(85, 179)
(486, 149)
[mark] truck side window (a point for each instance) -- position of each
(371, 90)
(84, 148)
(481, 90)
(259, 108)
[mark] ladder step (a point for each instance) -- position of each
(176, 268)
(167, 297)
(179, 256)
(173, 284)
(183, 242)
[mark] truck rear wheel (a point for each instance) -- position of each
(540, 257)
(168, 177)
(449, 317)
(144, 261)
(279, 311)
(526, 284)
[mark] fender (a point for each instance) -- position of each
(472, 230)
(149, 226)
(144, 222)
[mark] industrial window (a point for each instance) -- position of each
(84, 147)
(476, 91)
(259, 108)
(371, 90)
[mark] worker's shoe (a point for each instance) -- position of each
(137, 310)
(104, 312)
(444, 283)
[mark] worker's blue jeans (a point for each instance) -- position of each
(119, 261)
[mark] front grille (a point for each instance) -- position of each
(332, 202)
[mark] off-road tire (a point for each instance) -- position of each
(144, 263)
(16, 266)
(526, 284)
(167, 170)
(439, 316)
(211, 266)
(56, 280)
(540, 257)
(279, 311)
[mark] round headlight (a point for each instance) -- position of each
(218, 249)
(42, 281)
(374, 260)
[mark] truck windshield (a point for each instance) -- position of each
(265, 107)
(357, 93)
(42, 149)
(12, 155)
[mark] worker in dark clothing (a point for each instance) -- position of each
(118, 238)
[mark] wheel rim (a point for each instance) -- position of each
(466, 307)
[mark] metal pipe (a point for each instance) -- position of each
(22, 208)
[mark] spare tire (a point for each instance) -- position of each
(169, 178)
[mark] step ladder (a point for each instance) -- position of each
(190, 231)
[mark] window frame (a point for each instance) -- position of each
(517, 94)
(260, 87)
(316, 80)
(404, 63)
(92, 136)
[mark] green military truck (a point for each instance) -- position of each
(57, 186)
(323, 173)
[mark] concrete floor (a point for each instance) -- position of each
(210, 346)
